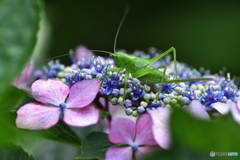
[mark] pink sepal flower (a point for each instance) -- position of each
(224, 108)
(160, 126)
(160, 120)
(197, 110)
(21, 80)
(77, 110)
(122, 131)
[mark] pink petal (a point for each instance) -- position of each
(161, 131)
(83, 93)
(121, 131)
(235, 109)
(222, 108)
(146, 150)
(238, 104)
(36, 116)
(119, 153)
(50, 91)
(81, 117)
(197, 109)
(144, 134)
(83, 52)
(25, 74)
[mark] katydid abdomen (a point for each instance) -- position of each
(152, 77)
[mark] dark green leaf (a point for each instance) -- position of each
(19, 23)
(103, 114)
(55, 133)
(94, 146)
(220, 135)
(11, 98)
(14, 152)
(180, 153)
(7, 131)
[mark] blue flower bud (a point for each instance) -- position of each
(88, 77)
(115, 92)
(128, 103)
(140, 109)
(128, 111)
(102, 92)
(114, 101)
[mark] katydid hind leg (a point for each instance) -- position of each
(125, 84)
(145, 71)
(151, 61)
(160, 88)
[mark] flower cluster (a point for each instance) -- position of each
(71, 89)
(143, 97)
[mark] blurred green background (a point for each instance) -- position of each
(205, 33)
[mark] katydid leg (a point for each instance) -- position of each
(125, 84)
(163, 54)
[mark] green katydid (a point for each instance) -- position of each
(141, 68)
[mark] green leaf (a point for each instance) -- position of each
(94, 146)
(55, 133)
(220, 135)
(14, 152)
(19, 23)
(103, 114)
(11, 98)
(7, 131)
(179, 152)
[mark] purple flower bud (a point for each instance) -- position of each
(102, 92)
(140, 109)
(129, 111)
(38, 74)
(115, 92)
(88, 77)
(115, 76)
(128, 103)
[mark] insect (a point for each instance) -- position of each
(141, 68)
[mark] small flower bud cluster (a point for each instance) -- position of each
(141, 97)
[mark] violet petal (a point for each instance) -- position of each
(197, 109)
(121, 131)
(161, 131)
(83, 93)
(50, 91)
(81, 117)
(37, 116)
(119, 153)
(222, 108)
(144, 134)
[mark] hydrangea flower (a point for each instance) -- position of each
(137, 91)
(21, 80)
(160, 120)
(211, 98)
(110, 84)
(122, 131)
(168, 87)
(73, 78)
(54, 68)
(191, 95)
(224, 108)
(77, 109)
